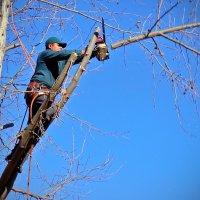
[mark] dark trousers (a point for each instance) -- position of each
(36, 105)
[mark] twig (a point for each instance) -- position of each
(162, 16)
(160, 3)
(7, 144)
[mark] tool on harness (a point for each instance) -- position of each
(101, 49)
(6, 126)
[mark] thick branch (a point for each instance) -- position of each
(153, 34)
(80, 70)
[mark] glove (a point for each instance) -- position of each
(94, 52)
(84, 50)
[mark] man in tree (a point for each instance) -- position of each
(50, 64)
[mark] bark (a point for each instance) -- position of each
(4, 13)
(152, 34)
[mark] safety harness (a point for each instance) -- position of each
(34, 90)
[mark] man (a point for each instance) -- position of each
(50, 64)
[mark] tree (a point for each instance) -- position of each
(163, 39)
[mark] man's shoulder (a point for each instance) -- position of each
(49, 51)
(57, 55)
(46, 51)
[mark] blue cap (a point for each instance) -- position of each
(52, 40)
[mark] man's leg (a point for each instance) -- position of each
(38, 102)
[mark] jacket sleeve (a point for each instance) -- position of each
(58, 55)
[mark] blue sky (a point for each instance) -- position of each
(153, 158)
(160, 160)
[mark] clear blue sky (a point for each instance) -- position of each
(153, 158)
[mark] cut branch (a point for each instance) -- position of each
(153, 34)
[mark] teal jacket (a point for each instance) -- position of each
(50, 64)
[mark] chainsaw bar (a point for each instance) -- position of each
(104, 37)
(103, 30)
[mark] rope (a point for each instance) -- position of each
(31, 105)
(29, 172)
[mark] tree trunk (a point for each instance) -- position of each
(4, 12)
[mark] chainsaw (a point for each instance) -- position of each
(101, 49)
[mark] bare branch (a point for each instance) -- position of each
(163, 16)
(84, 15)
(153, 34)
(12, 46)
(30, 194)
(182, 44)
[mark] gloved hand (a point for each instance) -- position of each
(94, 52)
(84, 51)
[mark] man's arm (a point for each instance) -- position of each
(58, 55)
